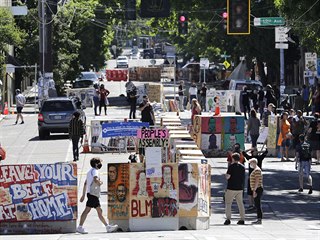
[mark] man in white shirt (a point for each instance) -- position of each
(20, 102)
(93, 200)
(193, 92)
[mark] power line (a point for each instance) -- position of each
(307, 10)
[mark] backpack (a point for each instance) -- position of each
(305, 153)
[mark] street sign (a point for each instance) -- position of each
(282, 46)
(122, 129)
(204, 63)
(226, 64)
(318, 67)
(10, 68)
(269, 21)
(281, 34)
(311, 61)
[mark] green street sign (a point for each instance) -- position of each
(269, 21)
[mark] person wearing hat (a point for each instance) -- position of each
(256, 184)
(20, 102)
(267, 113)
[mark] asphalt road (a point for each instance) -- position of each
(287, 213)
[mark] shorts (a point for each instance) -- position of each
(93, 201)
(304, 168)
(19, 109)
(285, 143)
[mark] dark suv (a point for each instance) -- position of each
(55, 115)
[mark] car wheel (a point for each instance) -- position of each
(43, 134)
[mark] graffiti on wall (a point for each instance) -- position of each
(37, 192)
(156, 196)
(118, 191)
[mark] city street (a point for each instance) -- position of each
(287, 213)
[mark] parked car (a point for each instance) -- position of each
(239, 84)
(122, 62)
(85, 83)
(54, 116)
(88, 76)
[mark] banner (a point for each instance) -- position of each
(38, 192)
(155, 137)
(117, 75)
(122, 129)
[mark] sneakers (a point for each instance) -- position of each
(227, 222)
(22, 122)
(240, 222)
(111, 228)
(257, 222)
(300, 190)
(310, 191)
(81, 230)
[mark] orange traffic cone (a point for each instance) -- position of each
(85, 146)
(6, 110)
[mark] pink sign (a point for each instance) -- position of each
(153, 133)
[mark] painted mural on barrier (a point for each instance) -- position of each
(216, 135)
(204, 192)
(272, 132)
(228, 100)
(118, 191)
(38, 192)
(188, 189)
(153, 197)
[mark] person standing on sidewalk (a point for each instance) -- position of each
(133, 102)
(181, 96)
(235, 176)
(193, 91)
(76, 132)
(103, 100)
(257, 188)
(20, 102)
(93, 182)
(203, 96)
(303, 162)
(253, 127)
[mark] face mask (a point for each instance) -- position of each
(252, 166)
(99, 165)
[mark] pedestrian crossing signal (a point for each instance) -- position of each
(183, 24)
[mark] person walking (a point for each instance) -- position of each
(203, 96)
(267, 113)
(298, 127)
(76, 132)
(133, 102)
(256, 183)
(316, 99)
(314, 136)
(261, 102)
(305, 97)
(91, 188)
(195, 109)
(181, 95)
(103, 100)
(284, 136)
(96, 99)
(20, 102)
(303, 162)
(235, 176)
(253, 127)
(245, 102)
(193, 92)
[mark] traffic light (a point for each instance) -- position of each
(130, 10)
(183, 24)
(238, 22)
(224, 20)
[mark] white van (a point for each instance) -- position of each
(240, 84)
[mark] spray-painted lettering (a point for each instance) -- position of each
(164, 207)
(141, 208)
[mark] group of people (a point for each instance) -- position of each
(100, 99)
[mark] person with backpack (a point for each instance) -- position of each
(303, 162)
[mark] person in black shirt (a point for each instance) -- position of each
(147, 114)
(245, 101)
(203, 95)
(133, 102)
(76, 132)
(235, 176)
(261, 102)
(181, 96)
